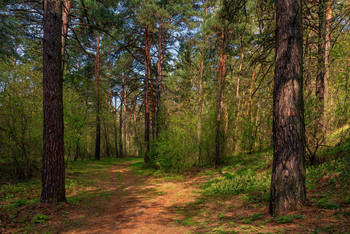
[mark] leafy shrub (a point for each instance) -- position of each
(235, 183)
(19, 202)
(288, 218)
(40, 218)
(176, 147)
(326, 204)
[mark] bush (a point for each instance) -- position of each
(231, 183)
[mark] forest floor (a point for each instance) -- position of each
(120, 196)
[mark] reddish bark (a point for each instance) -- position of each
(53, 170)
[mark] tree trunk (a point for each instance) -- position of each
(160, 62)
(238, 100)
(65, 20)
(115, 128)
(219, 139)
(250, 116)
(288, 173)
(200, 93)
(320, 84)
(146, 104)
(201, 105)
(124, 114)
(135, 130)
(98, 104)
(53, 170)
(327, 47)
(121, 150)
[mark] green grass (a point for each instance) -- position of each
(253, 218)
(140, 169)
(40, 218)
(84, 183)
(243, 174)
(289, 218)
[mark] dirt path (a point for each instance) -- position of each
(140, 204)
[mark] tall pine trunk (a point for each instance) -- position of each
(124, 120)
(160, 63)
(65, 20)
(327, 48)
(146, 101)
(288, 173)
(200, 93)
(135, 130)
(220, 136)
(98, 104)
(238, 106)
(53, 170)
(115, 127)
(121, 121)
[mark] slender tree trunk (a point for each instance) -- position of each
(200, 93)
(320, 82)
(146, 104)
(65, 20)
(121, 120)
(327, 46)
(53, 170)
(98, 104)
(219, 140)
(14, 65)
(135, 130)
(153, 115)
(288, 173)
(238, 100)
(201, 105)
(250, 116)
(115, 128)
(124, 121)
(160, 62)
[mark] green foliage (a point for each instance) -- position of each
(20, 122)
(326, 229)
(176, 147)
(231, 183)
(241, 176)
(326, 204)
(19, 202)
(253, 217)
(40, 218)
(289, 218)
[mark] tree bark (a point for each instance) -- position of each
(327, 46)
(219, 139)
(238, 102)
(160, 63)
(200, 93)
(98, 104)
(124, 114)
(53, 170)
(135, 130)
(121, 150)
(288, 173)
(146, 104)
(65, 20)
(115, 128)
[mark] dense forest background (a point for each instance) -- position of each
(185, 84)
(191, 49)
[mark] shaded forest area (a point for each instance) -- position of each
(250, 96)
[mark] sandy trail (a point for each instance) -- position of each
(140, 204)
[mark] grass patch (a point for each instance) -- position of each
(289, 218)
(185, 222)
(85, 181)
(253, 218)
(40, 218)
